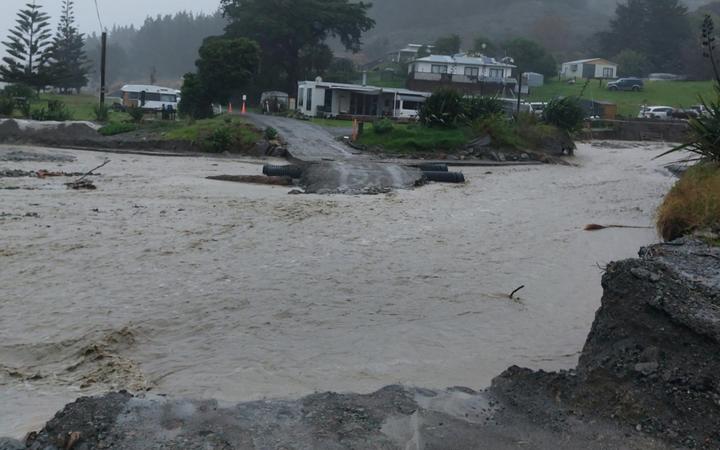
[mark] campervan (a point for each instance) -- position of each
(152, 98)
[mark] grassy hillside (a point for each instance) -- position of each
(678, 94)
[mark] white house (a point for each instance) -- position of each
(589, 68)
(471, 68)
(472, 75)
(327, 99)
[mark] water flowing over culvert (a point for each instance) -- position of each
(358, 177)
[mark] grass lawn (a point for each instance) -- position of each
(408, 138)
(81, 106)
(678, 94)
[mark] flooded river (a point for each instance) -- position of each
(164, 280)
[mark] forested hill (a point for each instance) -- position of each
(563, 23)
(161, 50)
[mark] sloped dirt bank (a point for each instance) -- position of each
(651, 359)
(647, 379)
(85, 135)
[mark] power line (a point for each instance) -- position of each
(97, 10)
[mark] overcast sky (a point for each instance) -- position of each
(120, 12)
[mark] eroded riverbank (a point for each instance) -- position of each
(204, 289)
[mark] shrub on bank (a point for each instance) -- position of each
(55, 111)
(500, 129)
(443, 109)
(7, 106)
(565, 113)
(479, 107)
(114, 128)
(693, 204)
(102, 113)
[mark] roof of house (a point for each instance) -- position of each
(583, 61)
(366, 88)
(461, 58)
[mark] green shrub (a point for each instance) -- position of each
(26, 109)
(500, 129)
(102, 113)
(383, 126)
(114, 128)
(479, 107)
(442, 109)
(55, 111)
(195, 101)
(271, 133)
(219, 140)
(20, 90)
(7, 106)
(136, 113)
(704, 136)
(565, 113)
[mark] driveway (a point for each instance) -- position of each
(306, 141)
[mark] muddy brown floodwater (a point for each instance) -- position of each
(162, 279)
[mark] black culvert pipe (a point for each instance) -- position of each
(445, 177)
(433, 167)
(282, 171)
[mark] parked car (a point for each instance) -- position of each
(656, 112)
(701, 110)
(626, 84)
(685, 114)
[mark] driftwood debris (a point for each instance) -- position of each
(512, 294)
(82, 183)
(596, 227)
(254, 179)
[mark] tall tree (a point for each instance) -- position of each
(530, 56)
(482, 45)
(448, 45)
(68, 68)
(659, 29)
(226, 65)
(283, 28)
(27, 48)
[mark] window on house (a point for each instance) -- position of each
(608, 72)
(573, 67)
(301, 97)
(308, 104)
(414, 106)
(496, 73)
(439, 68)
(472, 71)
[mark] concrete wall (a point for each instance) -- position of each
(638, 130)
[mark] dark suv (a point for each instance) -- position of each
(626, 84)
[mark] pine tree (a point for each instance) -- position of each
(27, 48)
(69, 66)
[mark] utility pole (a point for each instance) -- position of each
(519, 91)
(103, 60)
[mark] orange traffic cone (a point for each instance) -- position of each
(244, 108)
(229, 108)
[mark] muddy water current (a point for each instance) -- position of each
(166, 281)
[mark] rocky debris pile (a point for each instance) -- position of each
(651, 357)
(17, 173)
(394, 417)
(272, 148)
